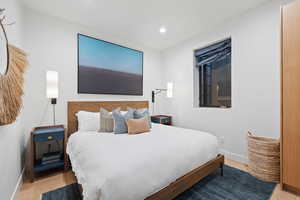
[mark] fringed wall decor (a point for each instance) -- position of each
(13, 63)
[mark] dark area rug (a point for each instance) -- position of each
(70, 192)
(234, 185)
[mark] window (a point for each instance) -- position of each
(213, 75)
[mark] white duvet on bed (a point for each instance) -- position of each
(132, 167)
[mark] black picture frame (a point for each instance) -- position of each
(108, 93)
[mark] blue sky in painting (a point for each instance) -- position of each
(101, 54)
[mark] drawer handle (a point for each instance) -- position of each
(50, 137)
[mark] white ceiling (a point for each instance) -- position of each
(140, 20)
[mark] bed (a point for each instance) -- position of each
(158, 165)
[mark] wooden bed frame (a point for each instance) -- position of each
(174, 189)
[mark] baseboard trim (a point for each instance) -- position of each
(18, 186)
(234, 156)
(291, 189)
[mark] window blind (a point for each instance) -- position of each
(213, 53)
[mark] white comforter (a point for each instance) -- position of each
(132, 167)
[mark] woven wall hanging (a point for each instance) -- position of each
(13, 63)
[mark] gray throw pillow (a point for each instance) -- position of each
(120, 125)
(106, 121)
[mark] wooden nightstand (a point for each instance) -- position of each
(47, 149)
(162, 119)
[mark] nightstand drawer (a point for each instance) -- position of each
(48, 134)
(49, 137)
(155, 120)
(162, 119)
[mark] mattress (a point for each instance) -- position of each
(133, 167)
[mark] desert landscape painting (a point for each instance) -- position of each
(107, 68)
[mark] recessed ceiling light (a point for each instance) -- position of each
(162, 30)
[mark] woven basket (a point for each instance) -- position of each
(264, 158)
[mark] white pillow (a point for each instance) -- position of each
(88, 121)
(123, 112)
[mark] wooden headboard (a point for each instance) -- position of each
(94, 106)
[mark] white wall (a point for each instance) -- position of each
(52, 45)
(11, 136)
(255, 80)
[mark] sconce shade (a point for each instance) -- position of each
(52, 84)
(169, 90)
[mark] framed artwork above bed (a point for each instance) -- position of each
(108, 68)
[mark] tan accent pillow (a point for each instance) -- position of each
(136, 126)
(106, 121)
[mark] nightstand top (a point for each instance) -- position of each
(161, 116)
(48, 130)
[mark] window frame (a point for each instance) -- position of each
(197, 78)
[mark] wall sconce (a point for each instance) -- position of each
(168, 90)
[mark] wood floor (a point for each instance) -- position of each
(33, 191)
